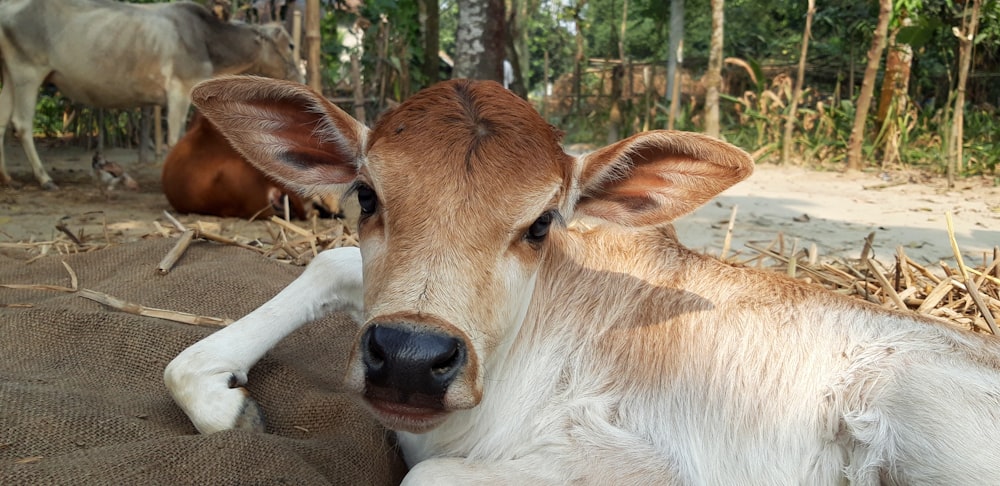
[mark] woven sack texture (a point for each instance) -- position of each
(82, 399)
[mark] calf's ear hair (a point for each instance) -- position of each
(656, 177)
(284, 129)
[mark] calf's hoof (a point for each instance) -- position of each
(50, 186)
(251, 417)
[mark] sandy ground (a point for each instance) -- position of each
(832, 210)
(836, 211)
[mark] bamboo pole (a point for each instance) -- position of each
(158, 130)
(786, 139)
(297, 36)
(956, 137)
(313, 76)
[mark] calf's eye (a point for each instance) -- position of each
(540, 228)
(367, 199)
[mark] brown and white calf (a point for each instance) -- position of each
(203, 174)
(507, 344)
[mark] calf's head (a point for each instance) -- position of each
(461, 188)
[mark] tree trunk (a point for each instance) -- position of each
(479, 40)
(647, 85)
(676, 38)
(382, 64)
(786, 140)
(854, 156)
(578, 58)
(359, 89)
(956, 138)
(713, 77)
(545, 85)
(430, 11)
(675, 92)
(892, 103)
(621, 34)
(313, 63)
(525, 8)
(615, 118)
(517, 82)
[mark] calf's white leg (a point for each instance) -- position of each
(206, 379)
(620, 461)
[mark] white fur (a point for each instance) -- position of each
(607, 353)
(199, 378)
(843, 392)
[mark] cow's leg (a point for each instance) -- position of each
(206, 379)
(25, 95)
(6, 110)
(178, 104)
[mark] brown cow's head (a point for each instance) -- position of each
(460, 188)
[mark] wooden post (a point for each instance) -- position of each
(359, 89)
(647, 88)
(145, 127)
(676, 94)
(101, 129)
(545, 85)
(955, 136)
(297, 36)
(313, 76)
(786, 138)
(158, 130)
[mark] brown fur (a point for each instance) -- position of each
(606, 353)
(203, 174)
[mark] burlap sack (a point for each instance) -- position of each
(82, 399)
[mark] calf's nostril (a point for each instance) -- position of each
(374, 355)
(448, 362)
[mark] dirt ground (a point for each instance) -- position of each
(30, 214)
(832, 210)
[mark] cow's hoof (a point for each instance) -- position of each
(251, 417)
(11, 184)
(50, 186)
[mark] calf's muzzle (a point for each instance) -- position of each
(410, 366)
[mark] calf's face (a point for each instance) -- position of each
(460, 188)
(453, 233)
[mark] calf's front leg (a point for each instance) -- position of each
(207, 379)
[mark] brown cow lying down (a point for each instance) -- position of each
(203, 174)
(507, 344)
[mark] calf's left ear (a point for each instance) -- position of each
(656, 177)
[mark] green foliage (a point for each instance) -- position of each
(982, 143)
(645, 38)
(766, 35)
(448, 24)
(48, 115)
(546, 32)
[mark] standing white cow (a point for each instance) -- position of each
(109, 54)
(507, 347)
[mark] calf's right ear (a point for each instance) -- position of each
(284, 129)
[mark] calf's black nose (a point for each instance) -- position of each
(410, 367)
